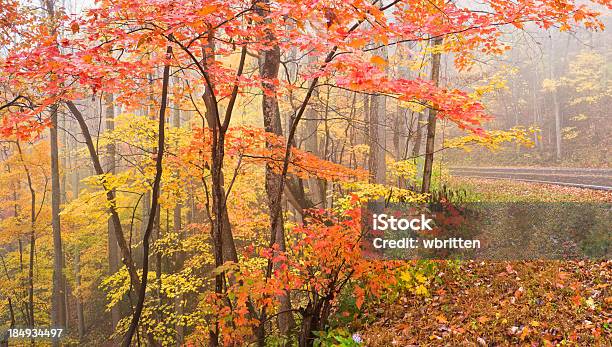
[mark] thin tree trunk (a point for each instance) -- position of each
(113, 252)
(418, 135)
(397, 131)
(146, 206)
(377, 152)
(63, 183)
(431, 124)
(158, 263)
(110, 197)
(31, 275)
(228, 247)
(535, 110)
(556, 107)
(221, 230)
(77, 269)
(269, 63)
(177, 226)
(376, 132)
(311, 144)
(11, 312)
(26, 316)
(154, 205)
(58, 304)
(79, 299)
(67, 301)
(58, 309)
(30, 306)
(400, 122)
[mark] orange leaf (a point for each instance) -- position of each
(357, 43)
(359, 297)
(384, 39)
(483, 319)
(206, 10)
(519, 292)
(378, 60)
(74, 27)
(576, 299)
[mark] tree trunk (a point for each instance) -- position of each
(431, 123)
(67, 294)
(158, 263)
(110, 197)
(58, 309)
(377, 151)
(154, 207)
(58, 303)
(536, 111)
(221, 229)
(26, 315)
(556, 107)
(113, 252)
(400, 126)
(269, 63)
(145, 207)
(311, 144)
(79, 299)
(11, 312)
(397, 132)
(66, 163)
(77, 269)
(376, 132)
(31, 276)
(310, 323)
(418, 135)
(220, 212)
(30, 305)
(176, 227)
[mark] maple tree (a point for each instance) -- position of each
(251, 225)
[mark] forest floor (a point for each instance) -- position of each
(500, 304)
(527, 303)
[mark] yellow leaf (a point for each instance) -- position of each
(525, 333)
(420, 278)
(590, 303)
(421, 290)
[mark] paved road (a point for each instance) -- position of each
(600, 179)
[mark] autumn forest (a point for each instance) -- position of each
(202, 173)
